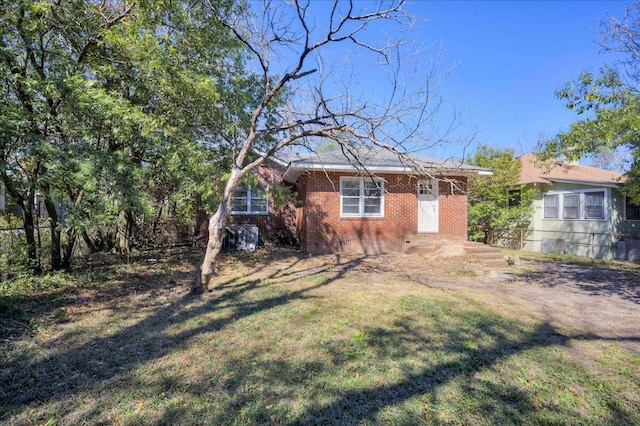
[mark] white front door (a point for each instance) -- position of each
(428, 205)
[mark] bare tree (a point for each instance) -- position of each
(617, 160)
(623, 36)
(306, 96)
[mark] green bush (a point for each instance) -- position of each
(13, 254)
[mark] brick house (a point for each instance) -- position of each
(369, 204)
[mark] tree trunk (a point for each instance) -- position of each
(26, 202)
(214, 245)
(156, 221)
(216, 234)
(68, 251)
(201, 233)
(59, 259)
(29, 232)
(123, 233)
(91, 245)
(56, 258)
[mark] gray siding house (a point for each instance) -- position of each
(579, 210)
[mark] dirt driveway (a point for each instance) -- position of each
(585, 302)
(597, 303)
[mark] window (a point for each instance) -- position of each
(514, 198)
(372, 198)
(571, 206)
(577, 205)
(426, 187)
(350, 194)
(594, 205)
(248, 199)
(551, 206)
(632, 211)
(361, 197)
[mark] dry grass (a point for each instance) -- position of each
(609, 264)
(288, 339)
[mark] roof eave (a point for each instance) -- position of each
(532, 181)
(589, 183)
(388, 169)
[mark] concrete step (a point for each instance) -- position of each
(431, 240)
(421, 249)
(433, 243)
(485, 253)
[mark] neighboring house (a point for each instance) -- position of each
(579, 210)
(371, 204)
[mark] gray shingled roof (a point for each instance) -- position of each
(375, 159)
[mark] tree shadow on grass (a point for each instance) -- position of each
(68, 367)
(449, 352)
(40, 300)
(462, 360)
(432, 346)
(433, 363)
(108, 282)
(453, 348)
(590, 280)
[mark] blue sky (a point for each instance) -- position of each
(508, 57)
(512, 57)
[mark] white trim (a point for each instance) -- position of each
(544, 207)
(249, 211)
(581, 182)
(435, 202)
(582, 206)
(388, 169)
(579, 207)
(344, 168)
(241, 213)
(293, 172)
(361, 197)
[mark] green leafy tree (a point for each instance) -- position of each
(607, 102)
(494, 210)
(98, 97)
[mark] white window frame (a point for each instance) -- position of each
(586, 205)
(361, 196)
(577, 208)
(582, 206)
(249, 210)
(428, 187)
(544, 206)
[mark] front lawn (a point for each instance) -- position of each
(288, 339)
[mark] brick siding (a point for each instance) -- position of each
(314, 221)
(322, 230)
(453, 206)
(278, 227)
